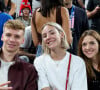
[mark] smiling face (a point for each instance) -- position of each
(12, 39)
(90, 47)
(26, 11)
(51, 37)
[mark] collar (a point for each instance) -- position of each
(16, 58)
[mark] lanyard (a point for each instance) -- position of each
(72, 17)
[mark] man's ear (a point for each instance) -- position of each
(23, 41)
(2, 37)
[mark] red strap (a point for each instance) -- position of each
(68, 71)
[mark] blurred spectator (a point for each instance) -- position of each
(10, 7)
(78, 23)
(3, 18)
(25, 12)
(27, 48)
(93, 13)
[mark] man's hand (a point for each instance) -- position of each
(5, 88)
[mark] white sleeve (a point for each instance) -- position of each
(40, 67)
(80, 78)
(27, 38)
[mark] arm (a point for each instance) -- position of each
(22, 52)
(92, 13)
(34, 33)
(43, 83)
(31, 83)
(13, 8)
(79, 81)
(65, 24)
(5, 88)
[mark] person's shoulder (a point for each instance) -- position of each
(25, 65)
(6, 15)
(64, 10)
(41, 58)
(77, 60)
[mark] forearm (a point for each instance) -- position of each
(90, 14)
(22, 52)
(13, 9)
(34, 35)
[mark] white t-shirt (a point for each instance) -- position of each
(4, 71)
(53, 74)
(27, 38)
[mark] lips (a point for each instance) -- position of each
(50, 42)
(89, 52)
(11, 45)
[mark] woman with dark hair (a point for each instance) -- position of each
(3, 18)
(50, 11)
(89, 50)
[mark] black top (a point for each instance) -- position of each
(80, 25)
(94, 84)
(96, 19)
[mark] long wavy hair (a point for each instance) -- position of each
(88, 62)
(48, 5)
(64, 43)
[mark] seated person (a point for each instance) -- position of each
(10, 63)
(25, 11)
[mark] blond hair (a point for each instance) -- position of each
(15, 25)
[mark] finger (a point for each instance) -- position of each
(6, 83)
(5, 88)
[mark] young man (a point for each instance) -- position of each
(15, 74)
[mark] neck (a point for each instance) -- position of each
(95, 63)
(58, 54)
(8, 56)
(25, 18)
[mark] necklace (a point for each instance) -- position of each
(57, 63)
